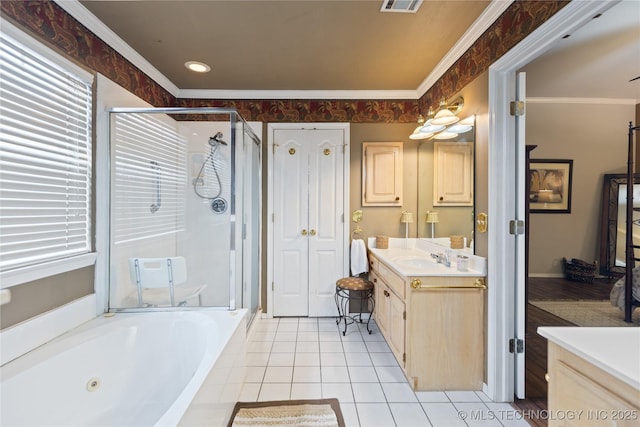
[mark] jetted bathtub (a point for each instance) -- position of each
(134, 369)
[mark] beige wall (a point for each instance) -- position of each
(595, 138)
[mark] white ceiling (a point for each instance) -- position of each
(597, 61)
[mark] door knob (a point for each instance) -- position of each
(304, 232)
(312, 232)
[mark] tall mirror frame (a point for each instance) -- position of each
(613, 223)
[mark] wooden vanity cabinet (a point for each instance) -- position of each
(435, 327)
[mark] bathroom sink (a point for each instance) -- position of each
(415, 262)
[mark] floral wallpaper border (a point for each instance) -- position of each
(50, 23)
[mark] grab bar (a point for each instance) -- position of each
(155, 206)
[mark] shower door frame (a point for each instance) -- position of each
(235, 231)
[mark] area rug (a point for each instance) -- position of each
(288, 413)
(588, 313)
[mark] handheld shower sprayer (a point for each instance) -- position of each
(216, 139)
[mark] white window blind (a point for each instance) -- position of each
(45, 158)
(149, 193)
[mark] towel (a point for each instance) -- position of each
(359, 263)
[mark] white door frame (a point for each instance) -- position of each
(501, 258)
(271, 128)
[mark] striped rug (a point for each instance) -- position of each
(288, 413)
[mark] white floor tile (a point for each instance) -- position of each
(353, 334)
(358, 359)
(375, 415)
(286, 336)
(334, 374)
(483, 396)
(399, 392)
(281, 359)
(329, 336)
(306, 374)
(328, 326)
(331, 346)
(308, 327)
(283, 347)
(341, 391)
(432, 396)
(313, 320)
(274, 392)
(278, 374)
(507, 414)
(257, 359)
(477, 414)
(377, 347)
(295, 320)
(307, 347)
(354, 347)
(249, 392)
(332, 359)
(288, 327)
(374, 336)
(307, 336)
(368, 392)
(463, 396)
(390, 374)
(383, 359)
(263, 336)
(267, 326)
(442, 414)
(307, 359)
(350, 414)
(363, 374)
(409, 415)
(255, 374)
(306, 391)
(259, 346)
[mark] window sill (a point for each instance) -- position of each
(40, 271)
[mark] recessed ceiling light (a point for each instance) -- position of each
(198, 67)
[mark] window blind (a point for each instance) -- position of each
(45, 158)
(149, 193)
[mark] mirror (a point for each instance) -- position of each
(613, 223)
(455, 217)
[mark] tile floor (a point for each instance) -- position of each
(308, 358)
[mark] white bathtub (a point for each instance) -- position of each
(142, 369)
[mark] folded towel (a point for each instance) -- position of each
(359, 263)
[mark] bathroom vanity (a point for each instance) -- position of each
(431, 314)
(593, 375)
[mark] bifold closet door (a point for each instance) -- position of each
(308, 182)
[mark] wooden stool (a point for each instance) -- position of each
(353, 288)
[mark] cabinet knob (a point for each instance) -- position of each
(416, 283)
(386, 294)
(397, 198)
(304, 232)
(312, 232)
(375, 280)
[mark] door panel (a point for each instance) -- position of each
(291, 249)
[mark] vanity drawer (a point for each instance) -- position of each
(395, 282)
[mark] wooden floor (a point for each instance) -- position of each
(536, 345)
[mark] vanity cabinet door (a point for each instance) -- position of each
(397, 323)
(381, 312)
(452, 174)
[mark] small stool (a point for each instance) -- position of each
(353, 288)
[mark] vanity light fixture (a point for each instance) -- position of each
(436, 125)
(445, 116)
(417, 133)
(198, 67)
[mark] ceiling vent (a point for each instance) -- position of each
(403, 6)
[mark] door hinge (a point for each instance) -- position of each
(516, 345)
(516, 227)
(273, 217)
(404, 315)
(404, 357)
(272, 286)
(516, 108)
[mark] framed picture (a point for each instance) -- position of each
(550, 186)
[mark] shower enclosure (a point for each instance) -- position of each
(185, 209)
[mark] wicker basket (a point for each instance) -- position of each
(577, 270)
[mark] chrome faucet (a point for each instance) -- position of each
(443, 258)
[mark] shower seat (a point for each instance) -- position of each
(158, 281)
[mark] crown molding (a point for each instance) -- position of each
(296, 94)
(89, 20)
(473, 33)
(600, 101)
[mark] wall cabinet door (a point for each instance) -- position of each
(453, 174)
(382, 174)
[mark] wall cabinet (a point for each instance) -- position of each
(382, 174)
(453, 174)
(434, 326)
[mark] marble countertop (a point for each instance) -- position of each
(614, 350)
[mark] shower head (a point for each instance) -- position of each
(216, 139)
